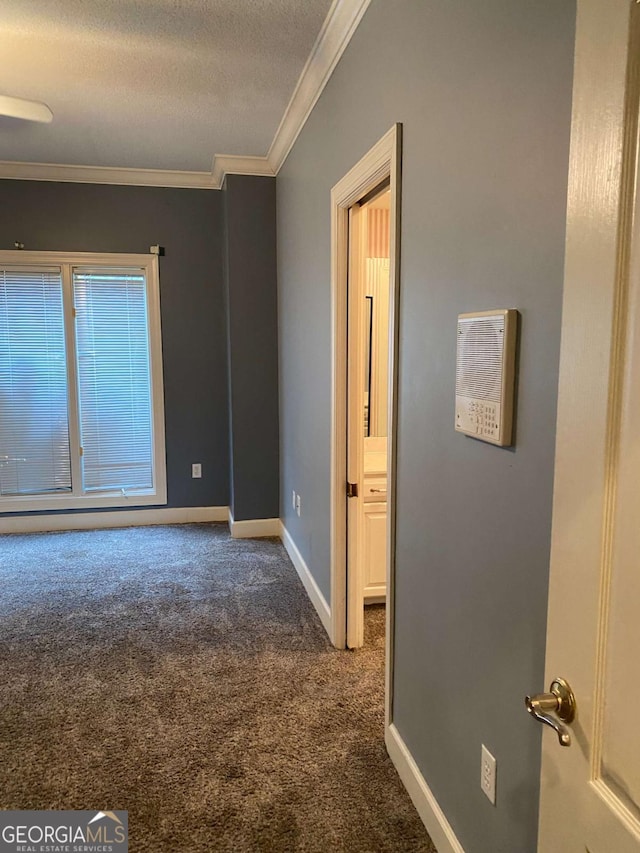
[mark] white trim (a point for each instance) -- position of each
(338, 28)
(383, 160)
(126, 518)
(106, 175)
(438, 827)
(24, 257)
(308, 581)
(229, 164)
(154, 324)
(254, 528)
(368, 172)
(223, 164)
(156, 495)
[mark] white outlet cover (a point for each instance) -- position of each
(298, 505)
(293, 499)
(488, 775)
(196, 470)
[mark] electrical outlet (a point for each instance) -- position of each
(196, 470)
(293, 499)
(298, 505)
(488, 774)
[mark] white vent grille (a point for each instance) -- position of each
(485, 375)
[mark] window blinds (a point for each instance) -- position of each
(114, 379)
(34, 423)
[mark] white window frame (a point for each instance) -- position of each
(77, 499)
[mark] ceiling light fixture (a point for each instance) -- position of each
(26, 110)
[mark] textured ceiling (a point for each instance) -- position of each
(157, 84)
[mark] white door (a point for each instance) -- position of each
(590, 791)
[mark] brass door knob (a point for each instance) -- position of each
(560, 701)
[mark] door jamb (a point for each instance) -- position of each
(381, 162)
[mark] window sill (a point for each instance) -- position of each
(110, 500)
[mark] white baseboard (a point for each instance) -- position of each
(313, 590)
(426, 804)
(126, 518)
(254, 528)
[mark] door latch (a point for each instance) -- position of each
(559, 701)
(352, 490)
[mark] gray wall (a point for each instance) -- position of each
(189, 224)
(251, 297)
(484, 93)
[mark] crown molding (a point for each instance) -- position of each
(339, 26)
(222, 165)
(229, 164)
(105, 175)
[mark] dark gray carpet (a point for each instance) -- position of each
(184, 676)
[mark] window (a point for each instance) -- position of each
(81, 398)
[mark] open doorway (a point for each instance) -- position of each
(367, 413)
(357, 401)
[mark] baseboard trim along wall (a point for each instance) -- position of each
(254, 528)
(126, 518)
(313, 590)
(426, 804)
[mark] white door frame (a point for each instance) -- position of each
(381, 162)
(600, 199)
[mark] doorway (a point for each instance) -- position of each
(367, 410)
(349, 198)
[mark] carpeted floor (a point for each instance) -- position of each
(184, 676)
